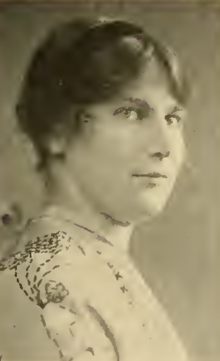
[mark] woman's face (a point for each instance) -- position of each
(114, 147)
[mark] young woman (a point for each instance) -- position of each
(103, 104)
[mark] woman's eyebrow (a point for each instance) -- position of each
(176, 109)
(138, 102)
(142, 104)
(172, 109)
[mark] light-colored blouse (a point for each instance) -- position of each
(67, 296)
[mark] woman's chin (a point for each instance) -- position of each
(154, 202)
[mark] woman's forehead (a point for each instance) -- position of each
(152, 86)
(154, 95)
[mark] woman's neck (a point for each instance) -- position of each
(70, 201)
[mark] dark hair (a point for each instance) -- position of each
(80, 63)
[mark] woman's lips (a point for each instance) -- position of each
(149, 182)
(150, 175)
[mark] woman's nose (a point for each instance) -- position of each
(157, 143)
(160, 155)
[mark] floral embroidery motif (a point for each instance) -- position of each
(55, 293)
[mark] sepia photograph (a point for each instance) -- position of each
(109, 184)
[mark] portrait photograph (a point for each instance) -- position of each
(109, 181)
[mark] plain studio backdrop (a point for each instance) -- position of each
(178, 253)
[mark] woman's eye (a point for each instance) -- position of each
(171, 118)
(130, 114)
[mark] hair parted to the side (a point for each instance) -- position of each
(82, 63)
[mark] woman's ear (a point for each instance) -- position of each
(85, 116)
(56, 143)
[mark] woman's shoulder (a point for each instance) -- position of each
(59, 256)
